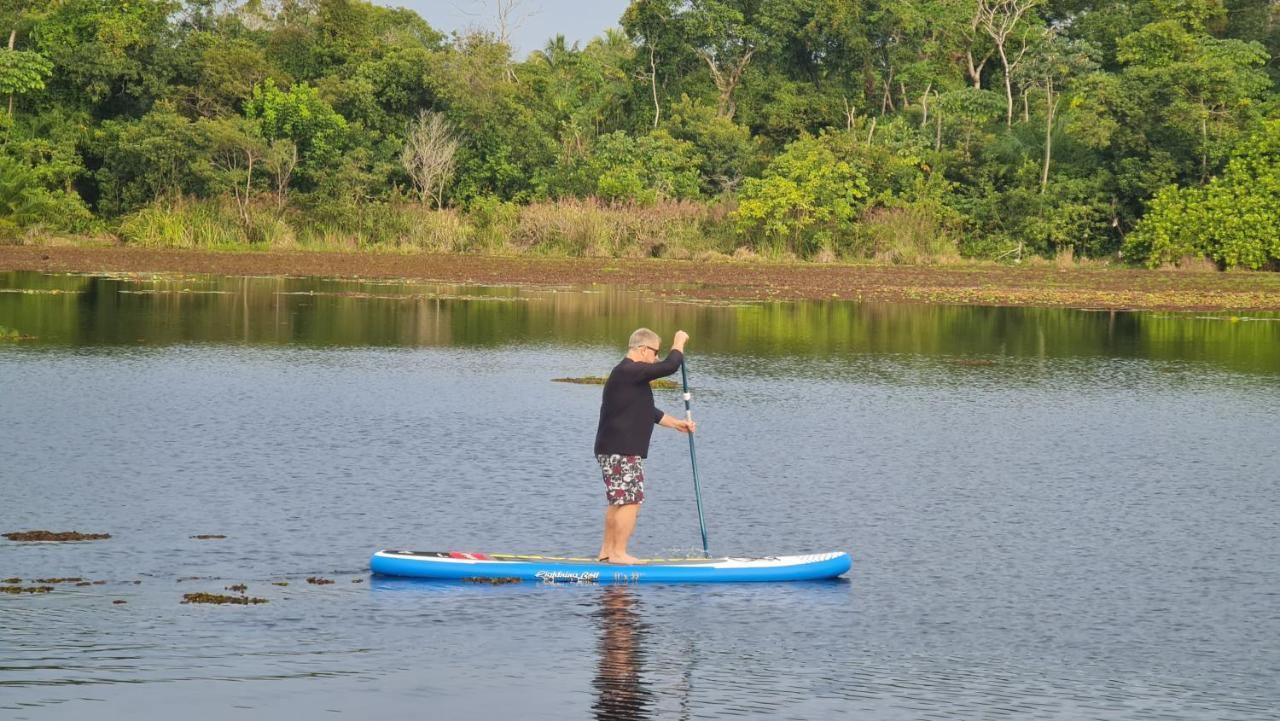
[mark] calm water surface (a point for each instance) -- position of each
(1053, 514)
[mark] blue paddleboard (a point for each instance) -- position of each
(457, 565)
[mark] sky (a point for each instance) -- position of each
(537, 20)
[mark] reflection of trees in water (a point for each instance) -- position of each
(621, 694)
(176, 308)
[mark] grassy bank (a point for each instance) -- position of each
(573, 228)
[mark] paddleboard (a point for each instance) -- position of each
(491, 566)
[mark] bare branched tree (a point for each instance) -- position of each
(1000, 19)
(281, 160)
(430, 155)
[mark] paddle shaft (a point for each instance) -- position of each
(693, 458)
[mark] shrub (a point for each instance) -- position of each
(591, 228)
(809, 195)
(26, 205)
(911, 233)
(1235, 219)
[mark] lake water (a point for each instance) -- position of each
(1053, 514)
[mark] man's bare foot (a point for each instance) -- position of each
(625, 560)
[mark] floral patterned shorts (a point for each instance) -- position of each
(623, 478)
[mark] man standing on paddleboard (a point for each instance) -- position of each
(627, 417)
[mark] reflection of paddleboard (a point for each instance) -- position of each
(455, 565)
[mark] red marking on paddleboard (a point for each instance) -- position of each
(456, 554)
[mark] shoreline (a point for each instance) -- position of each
(1100, 288)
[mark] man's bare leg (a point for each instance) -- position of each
(607, 544)
(624, 522)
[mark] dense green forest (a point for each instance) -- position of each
(902, 130)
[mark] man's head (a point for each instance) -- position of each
(644, 345)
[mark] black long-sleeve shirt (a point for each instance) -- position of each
(627, 413)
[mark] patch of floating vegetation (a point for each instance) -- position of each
(119, 601)
(491, 581)
(54, 536)
(11, 581)
(86, 583)
(659, 383)
(318, 581)
(219, 598)
(238, 588)
(25, 589)
(407, 296)
(74, 579)
(209, 537)
(194, 578)
(13, 334)
(182, 291)
(40, 291)
(357, 580)
(279, 583)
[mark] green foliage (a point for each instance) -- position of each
(835, 128)
(808, 199)
(108, 53)
(25, 204)
(644, 169)
(144, 159)
(22, 72)
(1235, 219)
(725, 149)
(301, 116)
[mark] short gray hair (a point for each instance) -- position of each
(643, 337)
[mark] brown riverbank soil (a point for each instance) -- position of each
(974, 284)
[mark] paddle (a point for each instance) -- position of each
(693, 457)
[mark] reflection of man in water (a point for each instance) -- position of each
(620, 691)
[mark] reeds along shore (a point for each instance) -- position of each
(679, 230)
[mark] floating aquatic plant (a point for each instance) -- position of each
(219, 598)
(238, 588)
(25, 589)
(318, 580)
(209, 537)
(54, 536)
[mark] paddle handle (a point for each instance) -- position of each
(693, 458)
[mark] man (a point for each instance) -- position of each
(627, 417)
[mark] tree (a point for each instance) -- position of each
(22, 71)
(807, 200)
(301, 116)
(1052, 66)
(280, 160)
(25, 202)
(234, 149)
(430, 155)
(1235, 219)
(1001, 19)
(1182, 100)
(108, 54)
(650, 22)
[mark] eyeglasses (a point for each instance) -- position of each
(655, 350)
